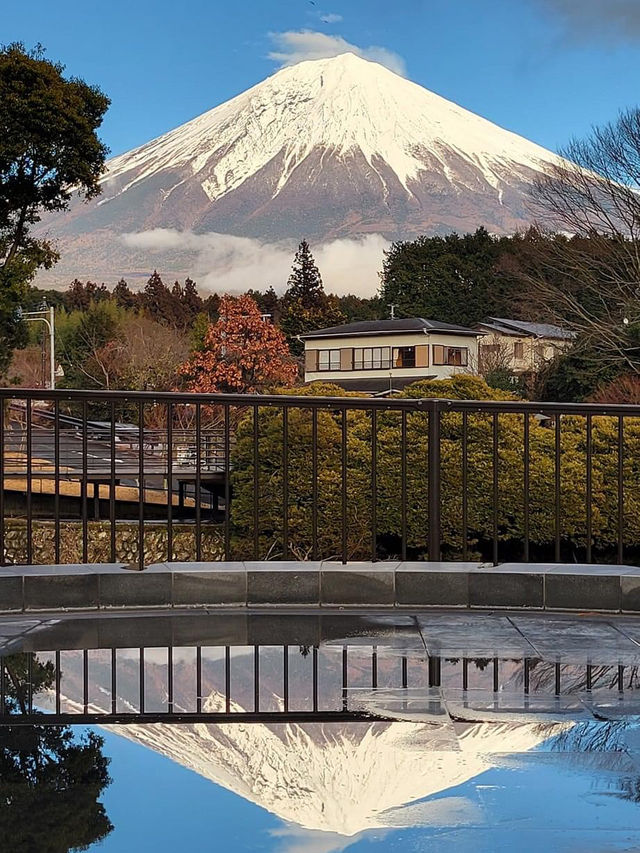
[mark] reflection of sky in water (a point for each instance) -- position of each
(568, 802)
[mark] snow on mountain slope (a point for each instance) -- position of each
(341, 105)
(329, 149)
(331, 778)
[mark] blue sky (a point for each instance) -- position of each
(548, 69)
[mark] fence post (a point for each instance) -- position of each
(434, 480)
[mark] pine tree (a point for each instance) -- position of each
(158, 301)
(305, 283)
(306, 306)
(124, 297)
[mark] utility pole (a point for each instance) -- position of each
(44, 315)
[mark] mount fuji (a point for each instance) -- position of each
(333, 149)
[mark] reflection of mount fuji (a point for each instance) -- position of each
(339, 778)
(344, 778)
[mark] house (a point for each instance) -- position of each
(520, 346)
(378, 356)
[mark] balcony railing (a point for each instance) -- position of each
(143, 477)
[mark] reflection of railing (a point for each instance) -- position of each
(346, 478)
(425, 687)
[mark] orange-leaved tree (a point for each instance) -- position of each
(243, 352)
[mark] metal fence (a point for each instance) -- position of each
(310, 477)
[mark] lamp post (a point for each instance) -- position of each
(45, 315)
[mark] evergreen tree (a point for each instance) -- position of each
(305, 283)
(158, 301)
(191, 301)
(124, 297)
(454, 279)
(305, 304)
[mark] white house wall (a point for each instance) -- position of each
(408, 339)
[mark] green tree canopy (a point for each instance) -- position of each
(49, 149)
(454, 279)
(50, 781)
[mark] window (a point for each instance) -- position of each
(329, 359)
(518, 351)
(404, 356)
(371, 358)
(455, 356)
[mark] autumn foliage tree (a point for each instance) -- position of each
(243, 353)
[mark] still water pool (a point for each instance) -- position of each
(320, 732)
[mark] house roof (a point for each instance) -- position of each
(389, 327)
(522, 327)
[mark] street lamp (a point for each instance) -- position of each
(44, 315)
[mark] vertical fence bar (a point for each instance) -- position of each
(314, 697)
(58, 680)
(620, 489)
(589, 487)
(527, 676)
(526, 484)
(465, 485)
(85, 680)
(199, 679)
(170, 482)
(85, 484)
(589, 676)
(112, 480)
(374, 485)
(256, 484)
(114, 661)
(29, 480)
(345, 677)
(199, 482)
(403, 487)
(496, 675)
(465, 673)
(433, 478)
(285, 678)
(141, 669)
(374, 667)
(344, 486)
(256, 678)
(141, 484)
(496, 475)
(557, 679)
(170, 679)
(556, 502)
(30, 658)
(56, 480)
(435, 672)
(227, 482)
(3, 708)
(621, 677)
(227, 679)
(405, 672)
(3, 403)
(285, 482)
(314, 484)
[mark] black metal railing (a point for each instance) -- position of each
(143, 477)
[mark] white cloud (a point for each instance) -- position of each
(297, 46)
(229, 264)
(331, 18)
(616, 20)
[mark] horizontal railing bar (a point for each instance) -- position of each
(300, 401)
(190, 717)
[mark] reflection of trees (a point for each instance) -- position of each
(50, 781)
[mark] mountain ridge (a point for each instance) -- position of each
(328, 149)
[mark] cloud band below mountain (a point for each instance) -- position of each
(228, 264)
(292, 47)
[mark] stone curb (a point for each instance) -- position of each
(513, 586)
